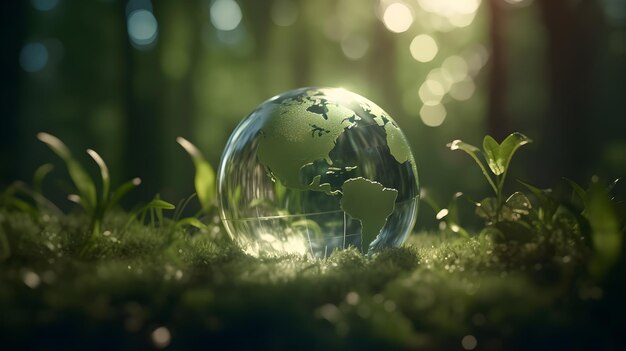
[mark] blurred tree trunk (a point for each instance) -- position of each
(497, 117)
(384, 69)
(12, 32)
(143, 144)
(572, 29)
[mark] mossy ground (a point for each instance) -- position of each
(59, 291)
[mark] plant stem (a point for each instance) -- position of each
(485, 173)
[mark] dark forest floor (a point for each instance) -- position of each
(162, 287)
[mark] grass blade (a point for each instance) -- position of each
(191, 221)
(122, 190)
(578, 190)
(159, 204)
(39, 175)
(205, 175)
(104, 174)
(80, 178)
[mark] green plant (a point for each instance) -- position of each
(497, 158)
(605, 221)
(449, 216)
(95, 206)
(152, 210)
(205, 175)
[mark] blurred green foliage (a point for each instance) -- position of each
(127, 77)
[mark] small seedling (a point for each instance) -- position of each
(153, 210)
(497, 158)
(95, 206)
(205, 175)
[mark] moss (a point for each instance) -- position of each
(58, 291)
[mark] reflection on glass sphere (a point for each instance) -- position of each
(315, 170)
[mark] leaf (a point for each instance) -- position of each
(547, 204)
(606, 235)
(104, 174)
(121, 191)
(499, 156)
(578, 190)
(80, 178)
(39, 175)
(191, 221)
(425, 197)
(492, 152)
(516, 206)
(473, 151)
(205, 175)
(257, 202)
(311, 227)
(159, 204)
(488, 209)
(41, 202)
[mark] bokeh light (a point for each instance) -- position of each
(225, 14)
(519, 3)
(33, 57)
(44, 5)
(398, 17)
(463, 90)
(469, 342)
(142, 28)
(31, 279)
(442, 77)
(431, 92)
(423, 48)
(354, 47)
(455, 67)
(433, 116)
(451, 13)
(161, 337)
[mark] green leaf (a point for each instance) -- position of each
(547, 204)
(191, 221)
(159, 204)
(121, 191)
(104, 174)
(39, 175)
(499, 156)
(205, 175)
(425, 197)
(311, 227)
(516, 206)
(492, 152)
(488, 209)
(606, 235)
(578, 190)
(80, 178)
(473, 151)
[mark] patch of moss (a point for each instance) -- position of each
(59, 292)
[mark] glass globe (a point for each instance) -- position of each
(315, 170)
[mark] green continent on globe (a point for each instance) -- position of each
(295, 135)
(370, 203)
(304, 129)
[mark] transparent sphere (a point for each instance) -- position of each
(315, 170)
